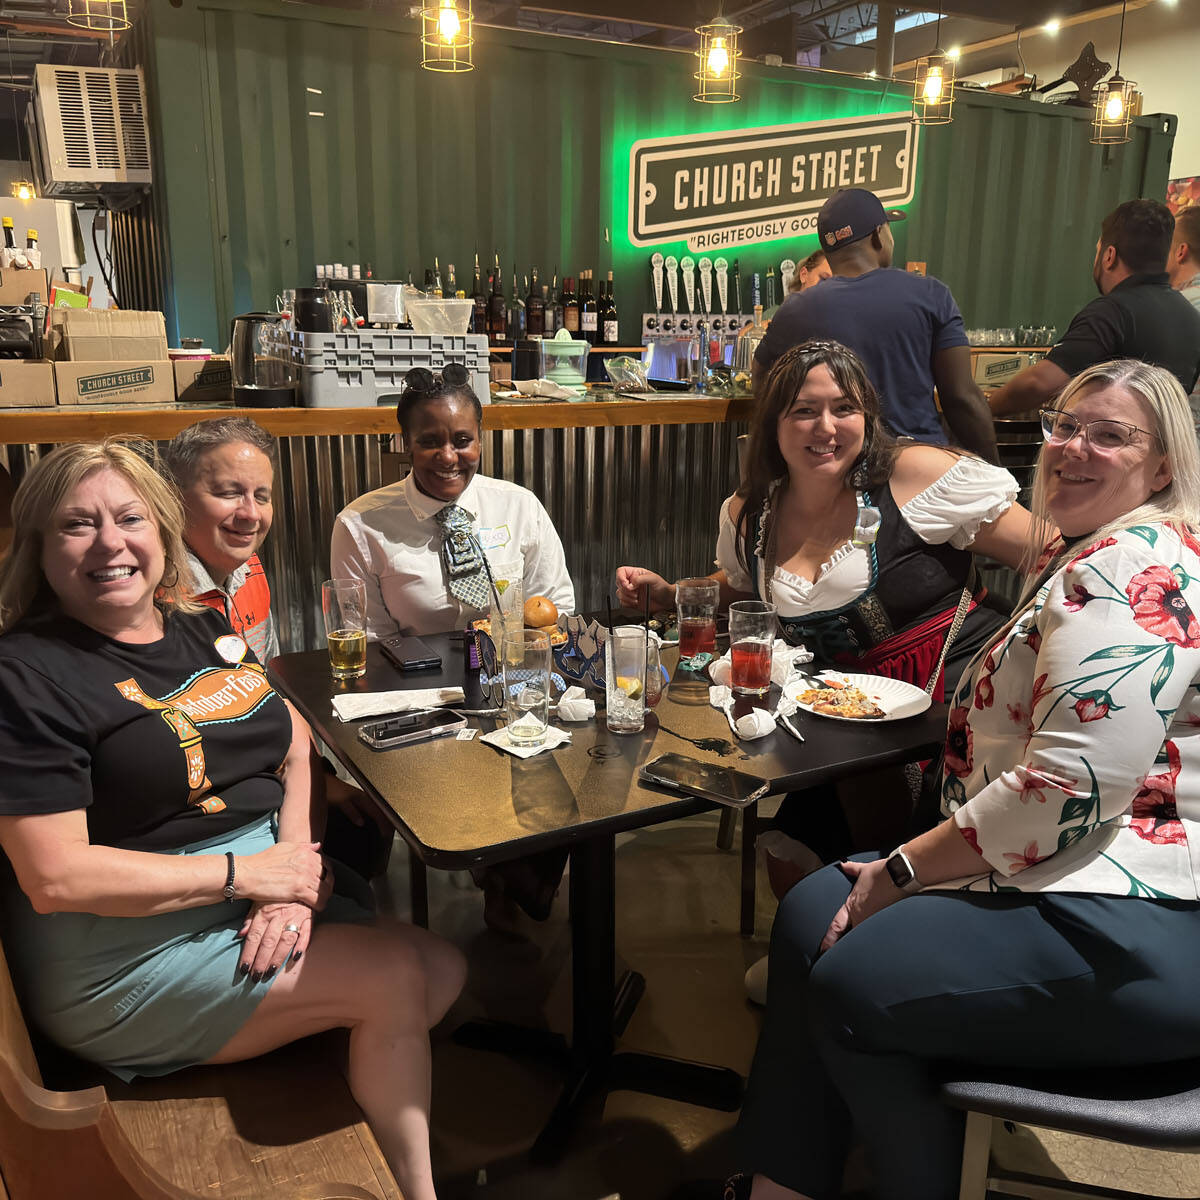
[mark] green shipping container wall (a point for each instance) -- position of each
(288, 135)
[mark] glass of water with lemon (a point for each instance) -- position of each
(508, 601)
(625, 679)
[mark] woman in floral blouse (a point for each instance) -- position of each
(1061, 887)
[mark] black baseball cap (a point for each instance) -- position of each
(849, 215)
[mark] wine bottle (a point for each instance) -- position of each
(437, 278)
(516, 311)
(611, 330)
(570, 307)
(553, 311)
(587, 310)
(497, 313)
(535, 307)
(479, 322)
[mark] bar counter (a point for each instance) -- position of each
(624, 480)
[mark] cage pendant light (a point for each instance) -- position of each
(718, 55)
(1116, 103)
(104, 16)
(933, 87)
(447, 36)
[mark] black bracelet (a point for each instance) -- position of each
(229, 891)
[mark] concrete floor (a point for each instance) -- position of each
(677, 923)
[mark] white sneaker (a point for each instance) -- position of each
(756, 983)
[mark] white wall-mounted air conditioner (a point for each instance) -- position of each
(89, 135)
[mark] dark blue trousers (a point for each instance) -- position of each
(851, 1037)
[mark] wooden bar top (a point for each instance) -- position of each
(72, 424)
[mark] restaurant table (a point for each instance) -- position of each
(463, 804)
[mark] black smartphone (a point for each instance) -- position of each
(404, 728)
(709, 780)
(410, 653)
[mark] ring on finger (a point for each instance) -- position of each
(291, 929)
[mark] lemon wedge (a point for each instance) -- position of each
(630, 685)
(502, 586)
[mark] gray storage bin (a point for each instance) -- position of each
(353, 369)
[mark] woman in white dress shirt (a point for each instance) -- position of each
(408, 543)
(392, 539)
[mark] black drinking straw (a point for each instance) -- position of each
(646, 643)
(608, 605)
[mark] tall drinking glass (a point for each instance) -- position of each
(751, 638)
(510, 614)
(344, 605)
(696, 602)
(654, 679)
(525, 655)
(625, 679)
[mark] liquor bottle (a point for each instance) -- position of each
(432, 287)
(451, 288)
(516, 312)
(547, 315)
(553, 308)
(570, 307)
(611, 329)
(479, 316)
(587, 310)
(437, 278)
(9, 240)
(535, 307)
(497, 313)
(771, 302)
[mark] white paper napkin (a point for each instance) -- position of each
(755, 724)
(785, 659)
(499, 739)
(573, 705)
(375, 704)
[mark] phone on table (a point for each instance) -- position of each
(410, 653)
(405, 728)
(708, 780)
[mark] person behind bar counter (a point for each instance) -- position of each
(865, 547)
(164, 900)
(399, 540)
(224, 469)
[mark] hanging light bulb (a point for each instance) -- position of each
(22, 189)
(446, 37)
(1116, 102)
(718, 55)
(449, 25)
(932, 88)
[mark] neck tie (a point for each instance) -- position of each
(466, 566)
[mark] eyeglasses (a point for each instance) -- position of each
(1059, 427)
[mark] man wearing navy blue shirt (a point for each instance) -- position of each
(906, 328)
(1137, 314)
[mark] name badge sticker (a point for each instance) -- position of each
(494, 539)
(467, 735)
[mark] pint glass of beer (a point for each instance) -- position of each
(344, 603)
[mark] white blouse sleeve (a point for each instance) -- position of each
(727, 555)
(951, 509)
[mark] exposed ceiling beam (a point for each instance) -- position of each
(1007, 39)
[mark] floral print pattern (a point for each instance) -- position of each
(1073, 746)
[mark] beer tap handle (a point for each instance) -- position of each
(737, 288)
(706, 267)
(656, 265)
(672, 266)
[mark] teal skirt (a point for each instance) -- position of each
(142, 995)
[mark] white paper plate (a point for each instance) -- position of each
(897, 699)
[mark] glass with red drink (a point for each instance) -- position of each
(696, 602)
(751, 638)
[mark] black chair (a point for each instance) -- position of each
(1155, 1107)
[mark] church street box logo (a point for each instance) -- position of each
(115, 381)
(755, 185)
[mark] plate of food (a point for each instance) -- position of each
(849, 697)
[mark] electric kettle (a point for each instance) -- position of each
(265, 372)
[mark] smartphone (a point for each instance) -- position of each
(410, 727)
(410, 653)
(709, 780)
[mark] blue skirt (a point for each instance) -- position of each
(142, 995)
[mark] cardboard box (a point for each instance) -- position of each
(107, 335)
(203, 381)
(26, 383)
(993, 368)
(115, 382)
(16, 285)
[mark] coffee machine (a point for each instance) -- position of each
(265, 372)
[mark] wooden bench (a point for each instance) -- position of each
(280, 1127)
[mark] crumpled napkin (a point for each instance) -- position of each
(573, 705)
(499, 739)
(376, 704)
(546, 388)
(754, 724)
(785, 659)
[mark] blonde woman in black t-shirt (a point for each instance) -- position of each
(164, 898)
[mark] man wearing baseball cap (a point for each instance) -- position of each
(906, 328)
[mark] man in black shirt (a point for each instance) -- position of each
(1138, 314)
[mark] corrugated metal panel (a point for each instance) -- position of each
(529, 153)
(646, 495)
